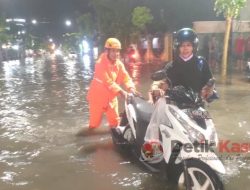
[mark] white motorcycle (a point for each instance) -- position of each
(185, 149)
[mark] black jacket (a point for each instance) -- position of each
(194, 73)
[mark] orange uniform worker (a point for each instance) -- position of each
(109, 75)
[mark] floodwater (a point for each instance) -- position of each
(43, 106)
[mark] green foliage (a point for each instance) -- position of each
(229, 8)
(70, 40)
(29, 41)
(85, 24)
(4, 38)
(113, 18)
(33, 42)
(2, 25)
(3, 35)
(127, 19)
(141, 16)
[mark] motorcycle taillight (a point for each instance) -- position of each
(152, 149)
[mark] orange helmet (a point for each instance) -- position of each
(113, 43)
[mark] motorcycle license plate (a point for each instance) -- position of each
(200, 114)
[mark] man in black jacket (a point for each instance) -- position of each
(188, 70)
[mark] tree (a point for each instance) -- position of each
(230, 10)
(113, 18)
(141, 16)
(70, 41)
(3, 35)
(2, 25)
(86, 25)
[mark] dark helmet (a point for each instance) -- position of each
(186, 35)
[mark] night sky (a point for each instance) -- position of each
(53, 11)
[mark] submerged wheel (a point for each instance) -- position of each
(123, 122)
(200, 175)
(125, 146)
(128, 135)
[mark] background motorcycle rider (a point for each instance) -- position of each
(109, 75)
(188, 70)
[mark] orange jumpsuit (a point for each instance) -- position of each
(103, 91)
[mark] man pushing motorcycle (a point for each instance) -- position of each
(109, 75)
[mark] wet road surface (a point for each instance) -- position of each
(43, 106)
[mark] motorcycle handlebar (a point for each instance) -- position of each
(161, 74)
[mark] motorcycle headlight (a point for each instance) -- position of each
(212, 134)
(193, 134)
(214, 139)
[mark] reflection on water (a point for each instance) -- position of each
(135, 73)
(231, 116)
(43, 104)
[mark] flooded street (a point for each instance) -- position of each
(43, 106)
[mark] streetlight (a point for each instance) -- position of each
(34, 21)
(68, 23)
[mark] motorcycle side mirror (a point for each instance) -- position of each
(159, 75)
(211, 82)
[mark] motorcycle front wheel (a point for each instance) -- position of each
(200, 176)
(124, 144)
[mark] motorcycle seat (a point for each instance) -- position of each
(143, 109)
